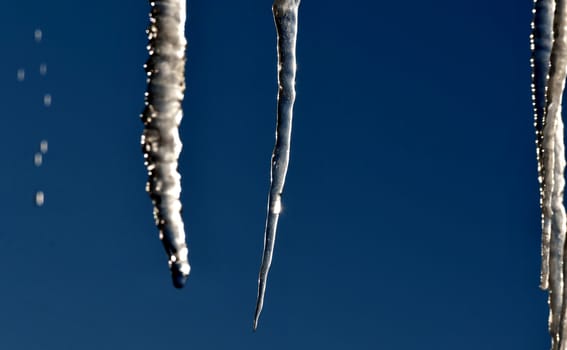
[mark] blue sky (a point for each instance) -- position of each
(411, 214)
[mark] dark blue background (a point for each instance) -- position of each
(411, 216)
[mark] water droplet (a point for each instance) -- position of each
(39, 198)
(38, 35)
(38, 159)
(43, 146)
(21, 74)
(43, 69)
(47, 100)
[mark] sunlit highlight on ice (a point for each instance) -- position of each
(549, 63)
(161, 144)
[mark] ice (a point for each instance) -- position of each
(285, 18)
(549, 63)
(161, 144)
(541, 42)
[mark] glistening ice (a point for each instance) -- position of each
(549, 63)
(161, 144)
(285, 17)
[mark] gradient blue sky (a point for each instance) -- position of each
(411, 216)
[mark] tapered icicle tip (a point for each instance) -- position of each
(259, 302)
(179, 278)
(262, 279)
(257, 316)
(179, 271)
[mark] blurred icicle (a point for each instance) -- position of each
(549, 62)
(285, 17)
(161, 144)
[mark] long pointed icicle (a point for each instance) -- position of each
(553, 143)
(541, 43)
(161, 144)
(559, 224)
(285, 17)
(554, 163)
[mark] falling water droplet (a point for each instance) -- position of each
(39, 198)
(43, 69)
(21, 74)
(47, 100)
(38, 159)
(38, 35)
(43, 146)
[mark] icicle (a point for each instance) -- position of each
(549, 73)
(541, 41)
(161, 144)
(559, 228)
(285, 17)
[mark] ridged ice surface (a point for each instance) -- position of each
(541, 42)
(285, 17)
(549, 63)
(161, 144)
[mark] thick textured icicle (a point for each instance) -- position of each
(161, 145)
(541, 41)
(558, 228)
(285, 17)
(552, 157)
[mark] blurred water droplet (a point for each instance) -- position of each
(38, 35)
(43, 69)
(43, 146)
(21, 74)
(47, 100)
(38, 159)
(39, 198)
